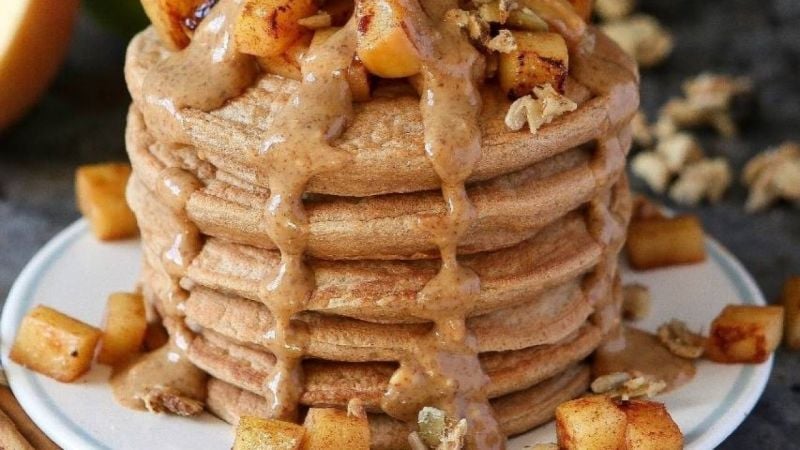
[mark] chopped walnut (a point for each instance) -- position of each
(773, 175)
(470, 21)
(705, 179)
(664, 127)
(652, 168)
(454, 437)
(708, 99)
(642, 37)
(635, 302)
(319, 20)
(504, 42)
(621, 385)
(614, 9)
(679, 150)
(547, 105)
(681, 341)
(165, 399)
(642, 134)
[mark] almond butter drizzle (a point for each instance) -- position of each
(442, 369)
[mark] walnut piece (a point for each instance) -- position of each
(538, 111)
(642, 37)
(614, 9)
(652, 168)
(708, 99)
(705, 179)
(319, 20)
(681, 341)
(454, 437)
(678, 150)
(504, 42)
(625, 387)
(470, 21)
(642, 134)
(636, 302)
(159, 399)
(773, 175)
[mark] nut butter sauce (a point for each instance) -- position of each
(443, 369)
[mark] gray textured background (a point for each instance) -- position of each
(82, 119)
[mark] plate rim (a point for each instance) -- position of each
(708, 433)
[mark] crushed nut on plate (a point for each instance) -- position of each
(705, 179)
(773, 175)
(642, 37)
(166, 399)
(538, 111)
(636, 301)
(625, 387)
(681, 341)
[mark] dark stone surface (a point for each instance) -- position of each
(82, 119)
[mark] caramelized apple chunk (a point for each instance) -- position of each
(255, 433)
(335, 429)
(657, 243)
(54, 344)
(167, 17)
(386, 38)
(650, 427)
(100, 191)
(590, 423)
(745, 334)
(125, 327)
(269, 27)
(540, 58)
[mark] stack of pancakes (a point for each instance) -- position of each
(552, 208)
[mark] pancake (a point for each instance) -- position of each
(334, 383)
(384, 140)
(517, 412)
(510, 208)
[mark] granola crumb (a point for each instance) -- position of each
(636, 302)
(773, 175)
(538, 111)
(681, 341)
(706, 179)
(642, 37)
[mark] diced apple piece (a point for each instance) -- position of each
(125, 327)
(339, 10)
(650, 427)
(287, 64)
(791, 303)
(540, 58)
(590, 423)
(657, 242)
(745, 334)
(385, 44)
(269, 27)
(100, 189)
(560, 15)
(583, 8)
(167, 17)
(55, 344)
(334, 429)
(255, 433)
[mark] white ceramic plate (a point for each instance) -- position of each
(74, 273)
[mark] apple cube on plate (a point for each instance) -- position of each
(55, 344)
(386, 38)
(650, 427)
(540, 58)
(654, 243)
(100, 189)
(745, 334)
(590, 423)
(125, 327)
(335, 429)
(269, 27)
(255, 433)
(791, 302)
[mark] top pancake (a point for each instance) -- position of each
(385, 138)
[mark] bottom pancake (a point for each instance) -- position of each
(516, 413)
